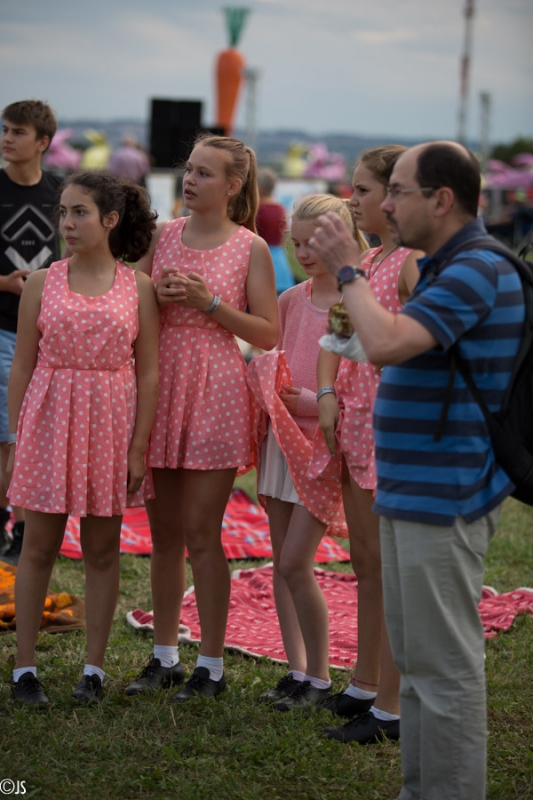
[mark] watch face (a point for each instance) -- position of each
(346, 274)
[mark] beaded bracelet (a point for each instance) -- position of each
(325, 390)
(11, 438)
(215, 302)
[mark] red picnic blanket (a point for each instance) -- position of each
(253, 626)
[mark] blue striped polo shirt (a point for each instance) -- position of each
(477, 304)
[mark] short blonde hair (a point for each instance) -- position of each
(315, 205)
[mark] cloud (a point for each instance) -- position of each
(348, 65)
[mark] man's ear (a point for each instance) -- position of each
(444, 200)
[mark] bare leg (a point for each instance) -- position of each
(388, 697)
(296, 567)
(375, 670)
(279, 517)
(188, 511)
(100, 544)
(208, 493)
(168, 554)
(42, 540)
(363, 529)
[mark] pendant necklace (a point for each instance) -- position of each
(371, 271)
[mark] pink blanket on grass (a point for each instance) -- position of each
(245, 534)
(253, 625)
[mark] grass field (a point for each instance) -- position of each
(233, 747)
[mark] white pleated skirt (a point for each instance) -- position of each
(274, 475)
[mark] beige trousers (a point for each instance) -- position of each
(432, 581)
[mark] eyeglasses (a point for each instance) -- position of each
(395, 191)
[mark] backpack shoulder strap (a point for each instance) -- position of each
(525, 271)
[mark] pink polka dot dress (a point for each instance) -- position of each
(78, 413)
(203, 418)
(357, 383)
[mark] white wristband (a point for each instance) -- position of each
(325, 390)
(215, 302)
(11, 438)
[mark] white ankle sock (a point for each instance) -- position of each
(361, 694)
(214, 665)
(318, 683)
(90, 669)
(20, 671)
(167, 654)
(383, 715)
(297, 675)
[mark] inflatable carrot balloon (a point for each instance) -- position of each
(229, 70)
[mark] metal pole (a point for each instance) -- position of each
(484, 139)
(465, 70)
(251, 76)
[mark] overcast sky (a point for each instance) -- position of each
(388, 67)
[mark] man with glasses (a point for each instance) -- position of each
(438, 496)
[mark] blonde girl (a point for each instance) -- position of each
(299, 509)
(208, 269)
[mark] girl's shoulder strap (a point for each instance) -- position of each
(171, 228)
(56, 275)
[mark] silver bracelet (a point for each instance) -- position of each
(325, 390)
(215, 302)
(11, 438)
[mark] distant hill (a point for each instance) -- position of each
(270, 146)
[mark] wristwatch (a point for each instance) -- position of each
(348, 274)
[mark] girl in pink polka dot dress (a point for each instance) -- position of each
(345, 415)
(208, 268)
(299, 509)
(82, 398)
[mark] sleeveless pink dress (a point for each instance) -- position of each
(357, 383)
(203, 418)
(78, 413)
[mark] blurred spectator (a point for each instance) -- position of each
(129, 161)
(97, 155)
(271, 224)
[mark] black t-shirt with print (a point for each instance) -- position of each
(28, 237)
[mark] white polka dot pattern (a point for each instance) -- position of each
(78, 412)
(357, 384)
(203, 414)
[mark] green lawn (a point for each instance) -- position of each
(233, 747)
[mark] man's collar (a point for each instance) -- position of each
(469, 231)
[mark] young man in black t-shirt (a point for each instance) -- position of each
(28, 241)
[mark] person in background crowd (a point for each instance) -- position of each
(28, 241)
(129, 161)
(271, 224)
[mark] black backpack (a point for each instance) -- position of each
(511, 428)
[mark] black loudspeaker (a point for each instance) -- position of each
(174, 126)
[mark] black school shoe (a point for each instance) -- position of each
(365, 729)
(89, 690)
(303, 696)
(344, 705)
(199, 685)
(282, 689)
(29, 690)
(154, 676)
